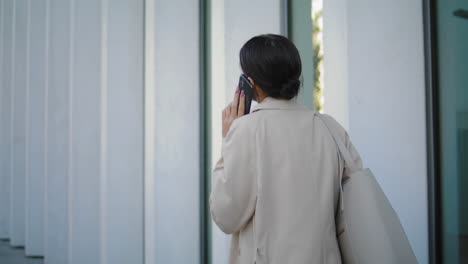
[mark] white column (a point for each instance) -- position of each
(85, 131)
(36, 128)
(106, 180)
(3, 149)
(5, 115)
(386, 86)
(19, 88)
(173, 125)
(234, 23)
(382, 65)
(3, 224)
(122, 131)
(220, 243)
(335, 63)
(58, 129)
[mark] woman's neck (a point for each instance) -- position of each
(261, 95)
(261, 98)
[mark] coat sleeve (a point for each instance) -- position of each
(234, 185)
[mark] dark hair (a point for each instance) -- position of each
(273, 62)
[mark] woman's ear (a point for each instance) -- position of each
(255, 93)
(257, 90)
(251, 80)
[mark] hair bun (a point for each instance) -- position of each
(290, 88)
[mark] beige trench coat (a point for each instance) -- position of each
(276, 186)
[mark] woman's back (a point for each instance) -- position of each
(276, 186)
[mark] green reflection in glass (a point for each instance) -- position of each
(452, 31)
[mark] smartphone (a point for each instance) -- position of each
(246, 86)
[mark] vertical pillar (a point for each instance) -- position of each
(85, 131)
(58, 133)
(375, 71)
(172, 120)
(5, 115)
(106, 180)
(36, 128)
(20, 92)
(122, 132)
(335, 62)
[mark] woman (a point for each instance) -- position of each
(276, 186)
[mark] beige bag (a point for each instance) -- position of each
(368, 229)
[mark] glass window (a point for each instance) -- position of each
(452, 101)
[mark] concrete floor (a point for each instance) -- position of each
(10, 255)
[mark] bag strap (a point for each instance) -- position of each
(342, 149)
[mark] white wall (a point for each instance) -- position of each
(233, 23)
(172, 121)
(384, 106)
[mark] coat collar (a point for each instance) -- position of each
(274, 103)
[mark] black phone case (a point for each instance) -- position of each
(247, 87)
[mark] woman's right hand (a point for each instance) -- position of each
(234, 110)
